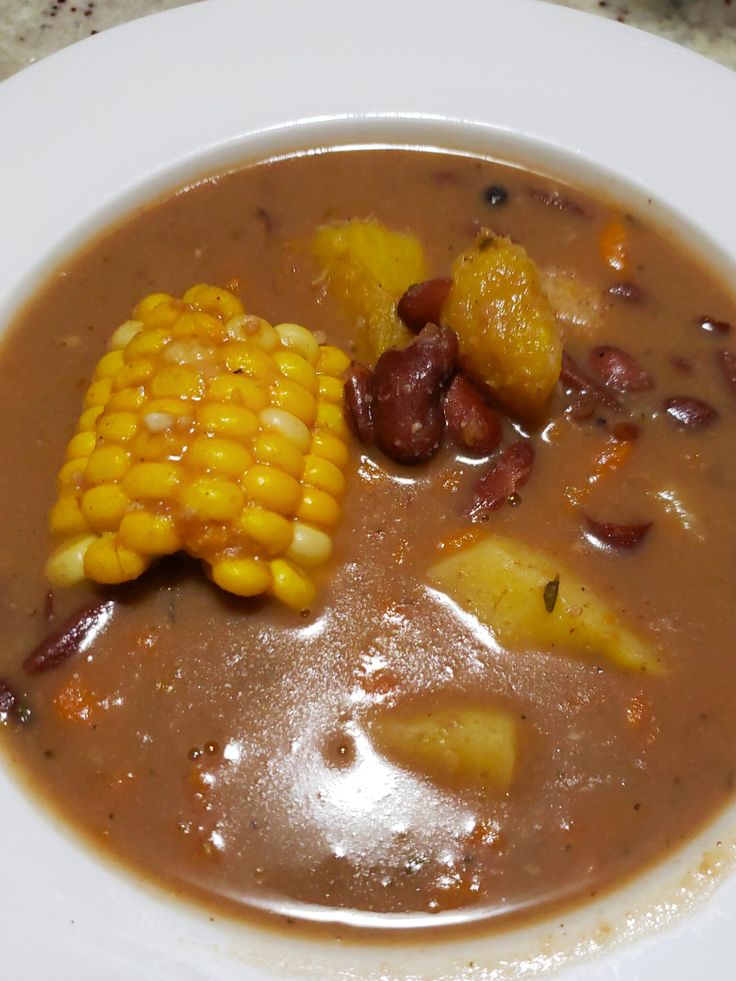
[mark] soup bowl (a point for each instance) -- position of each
(104, 128)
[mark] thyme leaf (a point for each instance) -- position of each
(550, 594)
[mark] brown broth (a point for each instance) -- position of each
(224, 748)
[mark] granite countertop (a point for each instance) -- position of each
(31, 29)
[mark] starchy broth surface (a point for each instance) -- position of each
(226, 747)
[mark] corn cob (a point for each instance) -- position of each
(208, 430)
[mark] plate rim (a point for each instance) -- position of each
(25, 103)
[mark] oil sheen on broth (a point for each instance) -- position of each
(225, 747)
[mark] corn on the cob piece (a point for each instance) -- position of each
(208, 430)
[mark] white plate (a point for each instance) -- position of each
(101, 127)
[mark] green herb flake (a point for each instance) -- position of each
(550, 594)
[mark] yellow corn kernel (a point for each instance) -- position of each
(290, 585)
(152, 481)
(299, 339)
(81, 446)
(148, 343)
(330, 389)
(239, 390)
(88, 419)
(330, 448)
(150, 534)
(109, 365)
(198, 327)
(221, 455)
(272, 488)
(103, 507)
(176, 407)
(275, 450)
(165, 313)
(107, 463)
(288, 426)
(150, 303)
(309, 545)
(227, 420)
(65, 565)
(109, 561)
(71, 475)
(210, 499)
(211, 299)
(332, 361)
(66, 518)
(186, 329)
(190, 351)
(134, 373)
(330, 416)
(148, 447)
(291, 397)
(125, 334)
(320, 473)
(117, 427)
(180, 381)
(243, 357)
(98, 393)
(243, 577)
(318, 508)
(293, 366)
(271, 531)
(127, 399)
(257, 330)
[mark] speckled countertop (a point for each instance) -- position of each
(30, 29)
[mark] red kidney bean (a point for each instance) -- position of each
(266, 220)
(511, 471)
(626, 291)
(582, 409)
(359, 402)
(573, 379)
(553, 199)
(618, 370)
(727, 363)
(73, 635)
(619, 536)
(422, 303)
(472, 423)
(689, 412)
(713, 326)
(408, 421)
(680, 363)
(626, 432)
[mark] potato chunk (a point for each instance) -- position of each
(509, 336)
(466, 746)
(368, 267)
(512, 589)
(576, 303)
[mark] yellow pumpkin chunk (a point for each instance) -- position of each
(514, 590)
(367, 268)
(468, 746)
(509, 335)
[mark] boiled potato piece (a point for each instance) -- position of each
(368, 268)
(469, 746)
(509, 335)
(576, 303)
(509, 587)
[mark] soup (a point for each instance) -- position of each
(324, 763)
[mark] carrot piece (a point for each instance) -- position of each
(614, 246)
(611, 457)
(74, 703)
